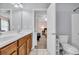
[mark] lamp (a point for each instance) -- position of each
(45, 19)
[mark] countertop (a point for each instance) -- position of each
(9, 38)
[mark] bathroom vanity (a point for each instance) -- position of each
(21, 44)
(15, 39)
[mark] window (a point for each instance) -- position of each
(4, 20)
(4, 25)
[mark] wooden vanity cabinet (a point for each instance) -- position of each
(9, 49)
(20, 47)
(22, 43)
(28, 50)
(25, 45)
(29, 43)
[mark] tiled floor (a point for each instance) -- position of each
(41, 47)
(42, 43)
(39, 52)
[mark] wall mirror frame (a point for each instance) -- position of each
(5, 20)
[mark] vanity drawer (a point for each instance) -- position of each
(30, 35)
(9, 49)
(22, 41)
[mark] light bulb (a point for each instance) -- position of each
(16, 5)
(20, 5)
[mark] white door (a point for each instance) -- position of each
(51, 24)
(75, 30)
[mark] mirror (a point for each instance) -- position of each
(4, 20)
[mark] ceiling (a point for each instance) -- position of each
(29, 6)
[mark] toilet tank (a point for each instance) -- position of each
(63, 38)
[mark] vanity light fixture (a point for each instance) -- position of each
(18, 5)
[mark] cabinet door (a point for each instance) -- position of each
(8, 50)
(22, 41)
(28, 46)
(29, 43)
(22, 49)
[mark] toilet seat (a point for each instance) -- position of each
(70, 49)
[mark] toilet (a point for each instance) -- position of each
(68, 49)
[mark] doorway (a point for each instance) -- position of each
(41, 29)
